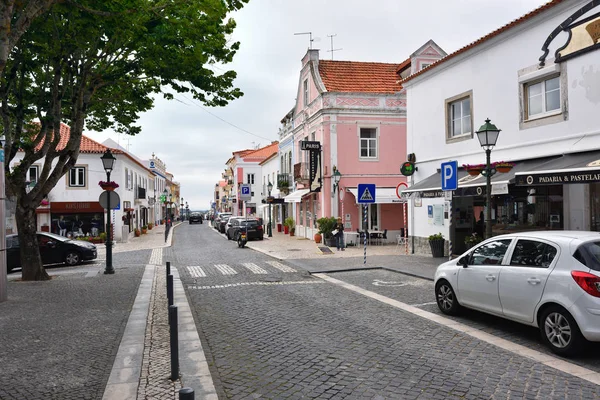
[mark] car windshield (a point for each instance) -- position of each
(56, 237)
(593, 251)
(250, 223)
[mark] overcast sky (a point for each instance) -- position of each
(195, 144)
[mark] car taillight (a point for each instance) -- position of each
(588, 282)
(259, 227)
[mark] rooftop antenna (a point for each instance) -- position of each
(332, 49)
(310, 39)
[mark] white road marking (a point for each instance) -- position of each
(156, 257)
(255, 269)
(196, 272)
(424, 304)
(280, 266)
(225, 269)
(377, 282)
(546, 359)
(230, 285)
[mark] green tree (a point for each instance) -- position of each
(99, 64)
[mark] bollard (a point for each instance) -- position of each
(174, 343)
(186, 393)
(170, 289)
(168, 268)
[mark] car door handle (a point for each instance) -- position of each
(491, 278)
(533, 281)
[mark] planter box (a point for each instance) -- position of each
(437, 247)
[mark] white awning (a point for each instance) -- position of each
(295, 197)
(382, 195)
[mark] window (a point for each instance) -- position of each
(425, 65)
(250, 179)
(543, 97)
(77, 177)
(33, 174)
(490, 253)
(368, 142)
(460, 117)
(530, 253)
(305, 85)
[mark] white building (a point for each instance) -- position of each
(547, 111)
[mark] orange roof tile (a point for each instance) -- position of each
(487, 37)
(87, 145)
(262, 153)
(359, 77)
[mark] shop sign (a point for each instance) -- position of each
(315, 170)
(558, 178)
(310, 145)
(431, 194)
(76, 206)
(500, 188)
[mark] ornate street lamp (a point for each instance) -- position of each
(108, 162)
(270, 200)
(488, 135)
(336, 180)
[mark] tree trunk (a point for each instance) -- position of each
(31, 261)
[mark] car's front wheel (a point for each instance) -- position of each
(560, 331)
(72, 258)
(446, 298)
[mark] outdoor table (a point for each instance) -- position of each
(351, 237)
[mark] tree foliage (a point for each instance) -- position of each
(98, 63)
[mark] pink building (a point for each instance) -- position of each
(357, 110)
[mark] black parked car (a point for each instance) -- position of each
(235, 225)
(195, 218)
(54, 249)
(218, 218)
(223, 219)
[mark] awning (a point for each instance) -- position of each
(296, 197)
(382, 195)
(568, 168)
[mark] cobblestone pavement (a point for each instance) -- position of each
(60, 337)
(156, 365)
(270, 336)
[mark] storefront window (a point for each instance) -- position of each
(595, 207)
(75, 225)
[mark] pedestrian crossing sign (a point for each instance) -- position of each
(366, 193)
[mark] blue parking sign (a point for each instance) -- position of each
(450, 175)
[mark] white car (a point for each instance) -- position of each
(548, 279)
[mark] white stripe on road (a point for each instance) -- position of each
(156, 257)
(196, 272)
(546, 359)
(255, 269)
(280, 266)
(229, 285)
(225, 269)
(424, 304)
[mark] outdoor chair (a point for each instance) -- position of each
(384, 236)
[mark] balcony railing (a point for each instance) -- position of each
(141, 193)
(284, 181)
(301, 172)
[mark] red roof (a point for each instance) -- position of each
(262, 153)
(489, 36)
(359, 77)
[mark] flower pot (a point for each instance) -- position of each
(503, 169)
(318, 238)
(292, 232)
(437, 247)
(144, 231)
(474, 172)
(279, 227)
(286, 229)
(108, 188)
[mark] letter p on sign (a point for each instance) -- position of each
(450, 175)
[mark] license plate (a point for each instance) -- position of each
(243, 236)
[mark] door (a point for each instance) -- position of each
(372, 217)
(478, 282)
(49, 249)
(522, 282)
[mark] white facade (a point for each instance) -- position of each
(496, 76)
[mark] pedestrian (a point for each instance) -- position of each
(339, 235)
(62, 226)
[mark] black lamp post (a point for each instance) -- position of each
(488, 135)
(270, 200)
(181, 210)
(187, 211)
(108, 161)
(170, 206)
(165, 202)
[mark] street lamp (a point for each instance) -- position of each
(108, 161)
(488, 135)
(165, 202)
(336, 180)
(181, 210)
(270, 200)
(187, 211)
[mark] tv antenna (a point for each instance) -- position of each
(310, 38)
(332, 49)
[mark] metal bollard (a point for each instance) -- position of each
(186, 393)
(174, 342)
(168, 268)
(170, 289)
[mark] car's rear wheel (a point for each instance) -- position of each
(560, 331)
(72, 258)
(446, 298)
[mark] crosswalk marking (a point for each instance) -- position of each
(255, 269)
(196, 272)
(225, 269)
(280, 266)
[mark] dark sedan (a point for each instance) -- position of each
(54, 249)
(195, 218)
(235, 225)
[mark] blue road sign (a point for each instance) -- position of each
(450, 175)
(366, 193)
(245, 191)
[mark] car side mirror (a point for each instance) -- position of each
(464, 261)
(51, 244)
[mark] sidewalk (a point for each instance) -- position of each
(305, 253)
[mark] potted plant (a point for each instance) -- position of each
(150, 225)
(44, 202)
(288, 225)
(326, 226)
(503, 166)
(474, 170)
(110, 186)
(318, 237)
(436, 243)
(137, 232)
(472, 240)
(144, 229)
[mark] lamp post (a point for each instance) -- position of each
(170, 206)
(187, 211)
(165, 203)
(336, 183)
(488, 135)
(181, 210)
(270, 200)
(108, 161)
